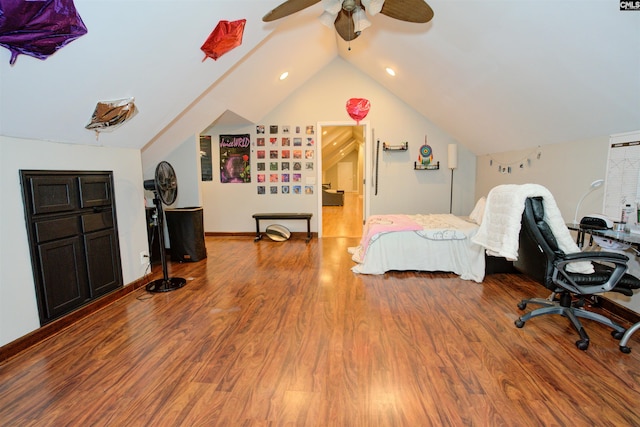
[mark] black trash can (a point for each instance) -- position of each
(186, 234)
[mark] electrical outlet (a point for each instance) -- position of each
(144, 258)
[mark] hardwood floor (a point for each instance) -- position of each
(272, 333)
(343, 221)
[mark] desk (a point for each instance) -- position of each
(632, 239)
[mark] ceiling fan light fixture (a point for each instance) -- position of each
(284, 75)
(372, 6)
(332, 6)
(360, 21)
(349, 5)
(327, 19)
(390, 71)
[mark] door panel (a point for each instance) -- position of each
(63, 275)
(52, 194)
(102, 262)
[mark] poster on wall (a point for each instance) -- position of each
(205, 158)
(235, 164)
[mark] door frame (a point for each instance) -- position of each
(367, 175)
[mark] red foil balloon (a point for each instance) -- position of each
(358, 108)
(226, 36)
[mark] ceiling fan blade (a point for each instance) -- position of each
(408, 10)
(344, 26)
(287, 8)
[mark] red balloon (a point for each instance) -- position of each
(226, 36)
(358, 108)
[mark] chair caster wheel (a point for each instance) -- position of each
(519, 323)
(617, 334)
(582, 344)
(522, 305)
(625, 349)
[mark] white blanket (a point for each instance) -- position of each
(500, 228)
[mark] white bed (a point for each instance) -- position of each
(436, 242)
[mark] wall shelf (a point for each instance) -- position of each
(402, 147)
(429, 167)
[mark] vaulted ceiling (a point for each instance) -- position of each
(338, 142)
(496, 75)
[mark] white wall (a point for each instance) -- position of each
(18, 308)
(228, 207)
(185, 160)
(567, 170)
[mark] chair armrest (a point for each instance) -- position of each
(620, 267)
(596, 256)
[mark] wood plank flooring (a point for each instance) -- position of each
(343, 221)
(272, 333)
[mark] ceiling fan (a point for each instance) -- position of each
(348, 16)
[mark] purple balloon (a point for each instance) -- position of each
(38, 28)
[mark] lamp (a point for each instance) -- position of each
(331, 10)
(452, 163)
(373, 6)
(332, 7)
(595, 184)
(327, 19)
(351, 7)
(360, 21)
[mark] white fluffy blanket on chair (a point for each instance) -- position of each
(500, 228)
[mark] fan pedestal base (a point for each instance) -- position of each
(166, 285)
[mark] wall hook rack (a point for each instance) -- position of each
(422, 167)
(402, 147)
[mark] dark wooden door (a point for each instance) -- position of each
(73, 238)
(63, 275)
(103, 262)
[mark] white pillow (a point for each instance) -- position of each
(478, 211)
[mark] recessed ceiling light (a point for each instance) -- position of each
(284, 75)
(391, 72)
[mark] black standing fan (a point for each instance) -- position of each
(165, 189)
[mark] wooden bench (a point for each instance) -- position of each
(283, 216)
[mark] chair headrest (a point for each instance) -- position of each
(537, 212)
(537, 208)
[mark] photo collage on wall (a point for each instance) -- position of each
(285, 159)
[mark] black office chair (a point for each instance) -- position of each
(540, 257)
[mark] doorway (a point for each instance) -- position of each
(343, 162)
